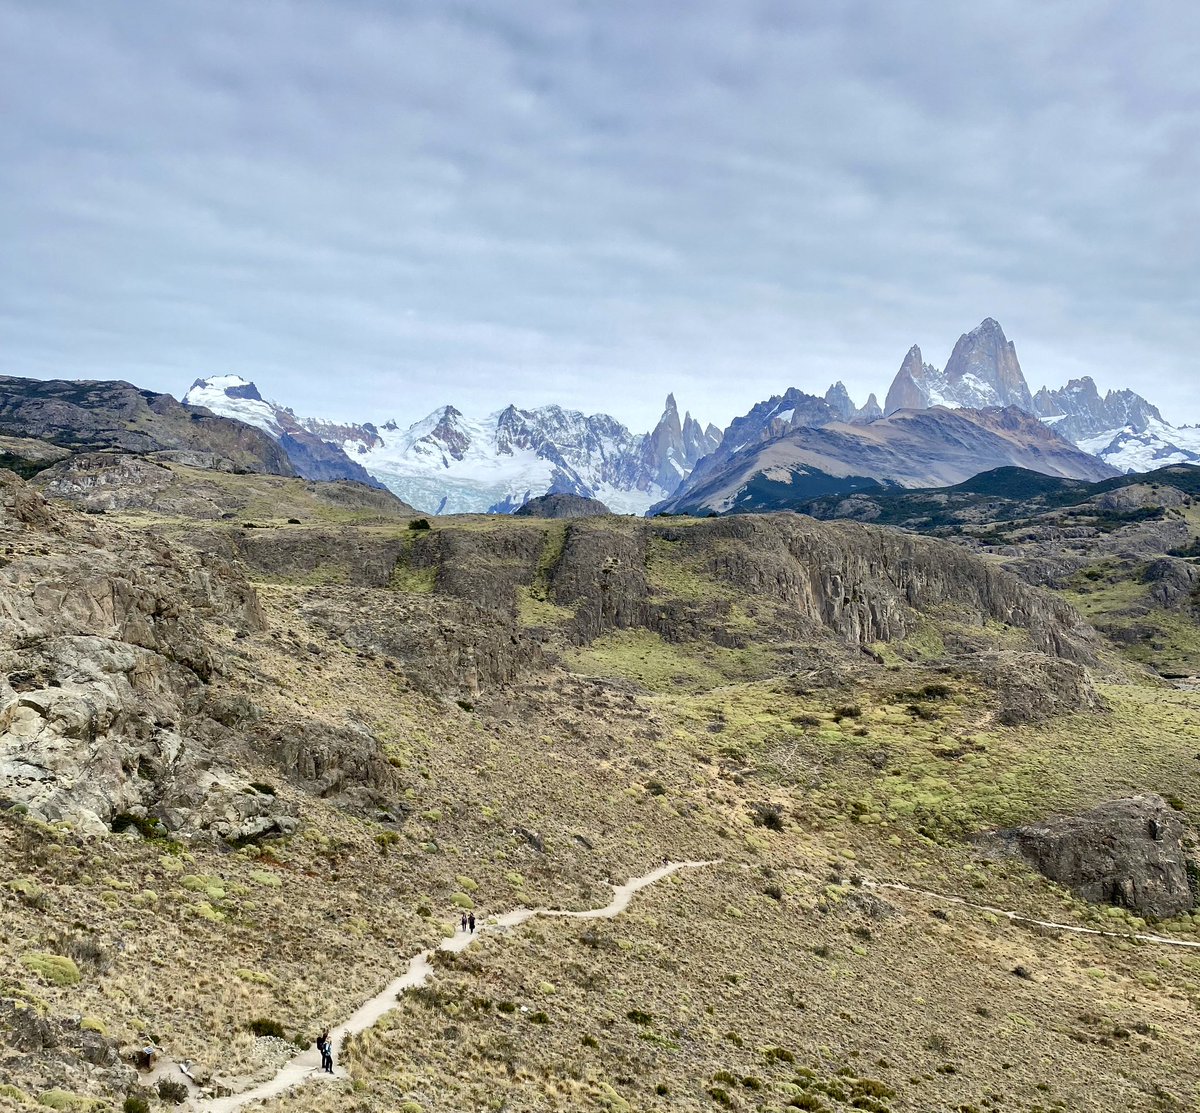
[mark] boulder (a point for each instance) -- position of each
(1128, 853)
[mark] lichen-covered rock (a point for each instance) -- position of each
(1128, 853)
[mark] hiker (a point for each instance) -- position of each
(471, 921)
(326, 1050)
(464, 921)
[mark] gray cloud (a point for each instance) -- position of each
(372, 208)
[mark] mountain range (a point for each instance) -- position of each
(936, 426)
(451, 463)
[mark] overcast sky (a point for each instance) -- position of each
(374, 208)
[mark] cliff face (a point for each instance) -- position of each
(859, 584)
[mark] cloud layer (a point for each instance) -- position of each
(373, 208)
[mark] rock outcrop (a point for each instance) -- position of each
(111, 669)
(117, 481)
(562, 506)
(1128, 853)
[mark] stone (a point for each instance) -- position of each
(1127, 853)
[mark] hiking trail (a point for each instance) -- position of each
(1018, 918)
(305, 1067)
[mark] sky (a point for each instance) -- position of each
(375, 208)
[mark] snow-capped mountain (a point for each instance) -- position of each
(1121, 428)
(1154, 446)
(311, 453)
(450, 463)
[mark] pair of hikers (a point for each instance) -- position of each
(325, 1047)
(468, 922)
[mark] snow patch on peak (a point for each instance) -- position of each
(233, 396)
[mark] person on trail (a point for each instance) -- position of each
(471, 921)
(464, 921)
(326, 1050)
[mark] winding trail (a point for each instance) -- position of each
(1016, 917)
(305, 1066)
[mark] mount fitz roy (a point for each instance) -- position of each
(1120, 427)
(450, 463)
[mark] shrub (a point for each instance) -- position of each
(506, 1007)
(134, 1104)
(808, 1101)
(721, 1097)
(419, 523)
(171, 1091)
(869, 1087)
(53, 969)
(29, 890)
(656, 788)
(539, 1017)
(263, 1026)
(639, 1017)
(293, 521)
(461, 900)
(385, 841)
(59, 1099)
(778, 1055)
(143, 825)
(850, 711)
(769, 816)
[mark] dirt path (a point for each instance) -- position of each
(305, 1066)
(1016, 917)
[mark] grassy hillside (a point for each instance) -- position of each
(496, 713)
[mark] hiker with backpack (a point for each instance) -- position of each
(325, 1047)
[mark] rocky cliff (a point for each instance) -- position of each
(1128, 853)
(84, 416)
(118, 686)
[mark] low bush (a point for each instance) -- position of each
(171, 1091)
(264, 1026)
(419, 523)
(55, 970)
(769, 816)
